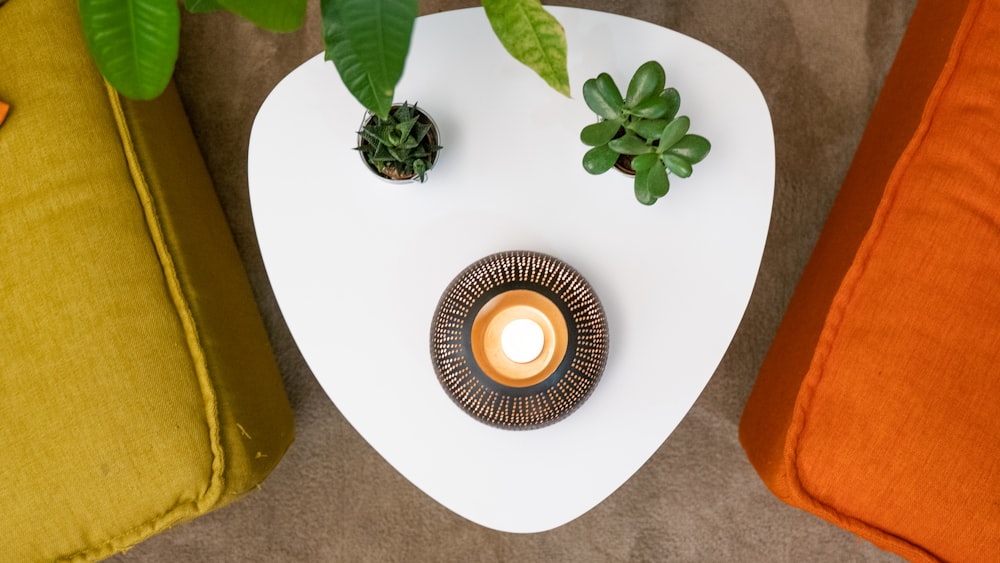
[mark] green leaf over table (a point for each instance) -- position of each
(533, 36)
(275, 15)
(133, 42)
(202, 6)
(368, 41)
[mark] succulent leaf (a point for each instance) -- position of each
(678, 165)
(647, 81)
(692, 147)
(597, 102)
(609, 91)
(644, 161)
(673, 98)
(629, 144)
(641, 188)
(651, 108)
(597, 134)
(599, 160)
(657, 182)
(649, 128)
(673, 132)
(420, 168)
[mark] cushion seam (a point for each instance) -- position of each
(849, 286)
(213, 492)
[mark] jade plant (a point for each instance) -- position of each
(640, 133)
(401, 146)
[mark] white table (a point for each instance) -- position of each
(358, 265)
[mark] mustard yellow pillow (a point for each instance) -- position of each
(137, 387)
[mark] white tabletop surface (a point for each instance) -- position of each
(358, 265)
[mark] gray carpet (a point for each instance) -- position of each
(819, 64)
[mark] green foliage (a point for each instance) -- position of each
(401, 145)
(368, 41)
(532, 36)
(643, 125)
(280, 16)
(134, 42)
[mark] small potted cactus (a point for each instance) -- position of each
(401, 147)
(640, 134)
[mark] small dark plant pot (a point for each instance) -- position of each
(624, 164)
(390, 174)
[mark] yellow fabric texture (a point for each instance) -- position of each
(878, 405)
(137, 386)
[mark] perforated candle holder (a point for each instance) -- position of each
(519, 339)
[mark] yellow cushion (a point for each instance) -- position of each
(137, 387)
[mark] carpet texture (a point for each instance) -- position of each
(820, 65)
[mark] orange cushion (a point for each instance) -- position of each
(878, 405)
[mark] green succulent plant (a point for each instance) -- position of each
(641, 132)
(401, 146)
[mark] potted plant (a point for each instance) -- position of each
(403, 146)
(640, 133)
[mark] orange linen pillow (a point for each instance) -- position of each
(4, 109)
(878, 405)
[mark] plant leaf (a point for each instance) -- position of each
(202, 6)
(420, 168)
(281, 15)
(657, 182)
(609, 91)
(368, 41)
(532, 36)
(641, 188)
(599, 160)
(673, 132)
(673, 98)
(644, 161)
(649, 128)
(654, 107)
(133, 42)
(629, 144)
(692, 147)
(594, 95)
(597, 134)
(678, 165)
(647, 81)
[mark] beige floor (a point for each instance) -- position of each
(820, 65)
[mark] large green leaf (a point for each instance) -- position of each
(533, 36)
(368, 41)
(133, 42)
(275, 15)
(202, 6)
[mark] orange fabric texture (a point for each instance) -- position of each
(878, 405)
(4, 109)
